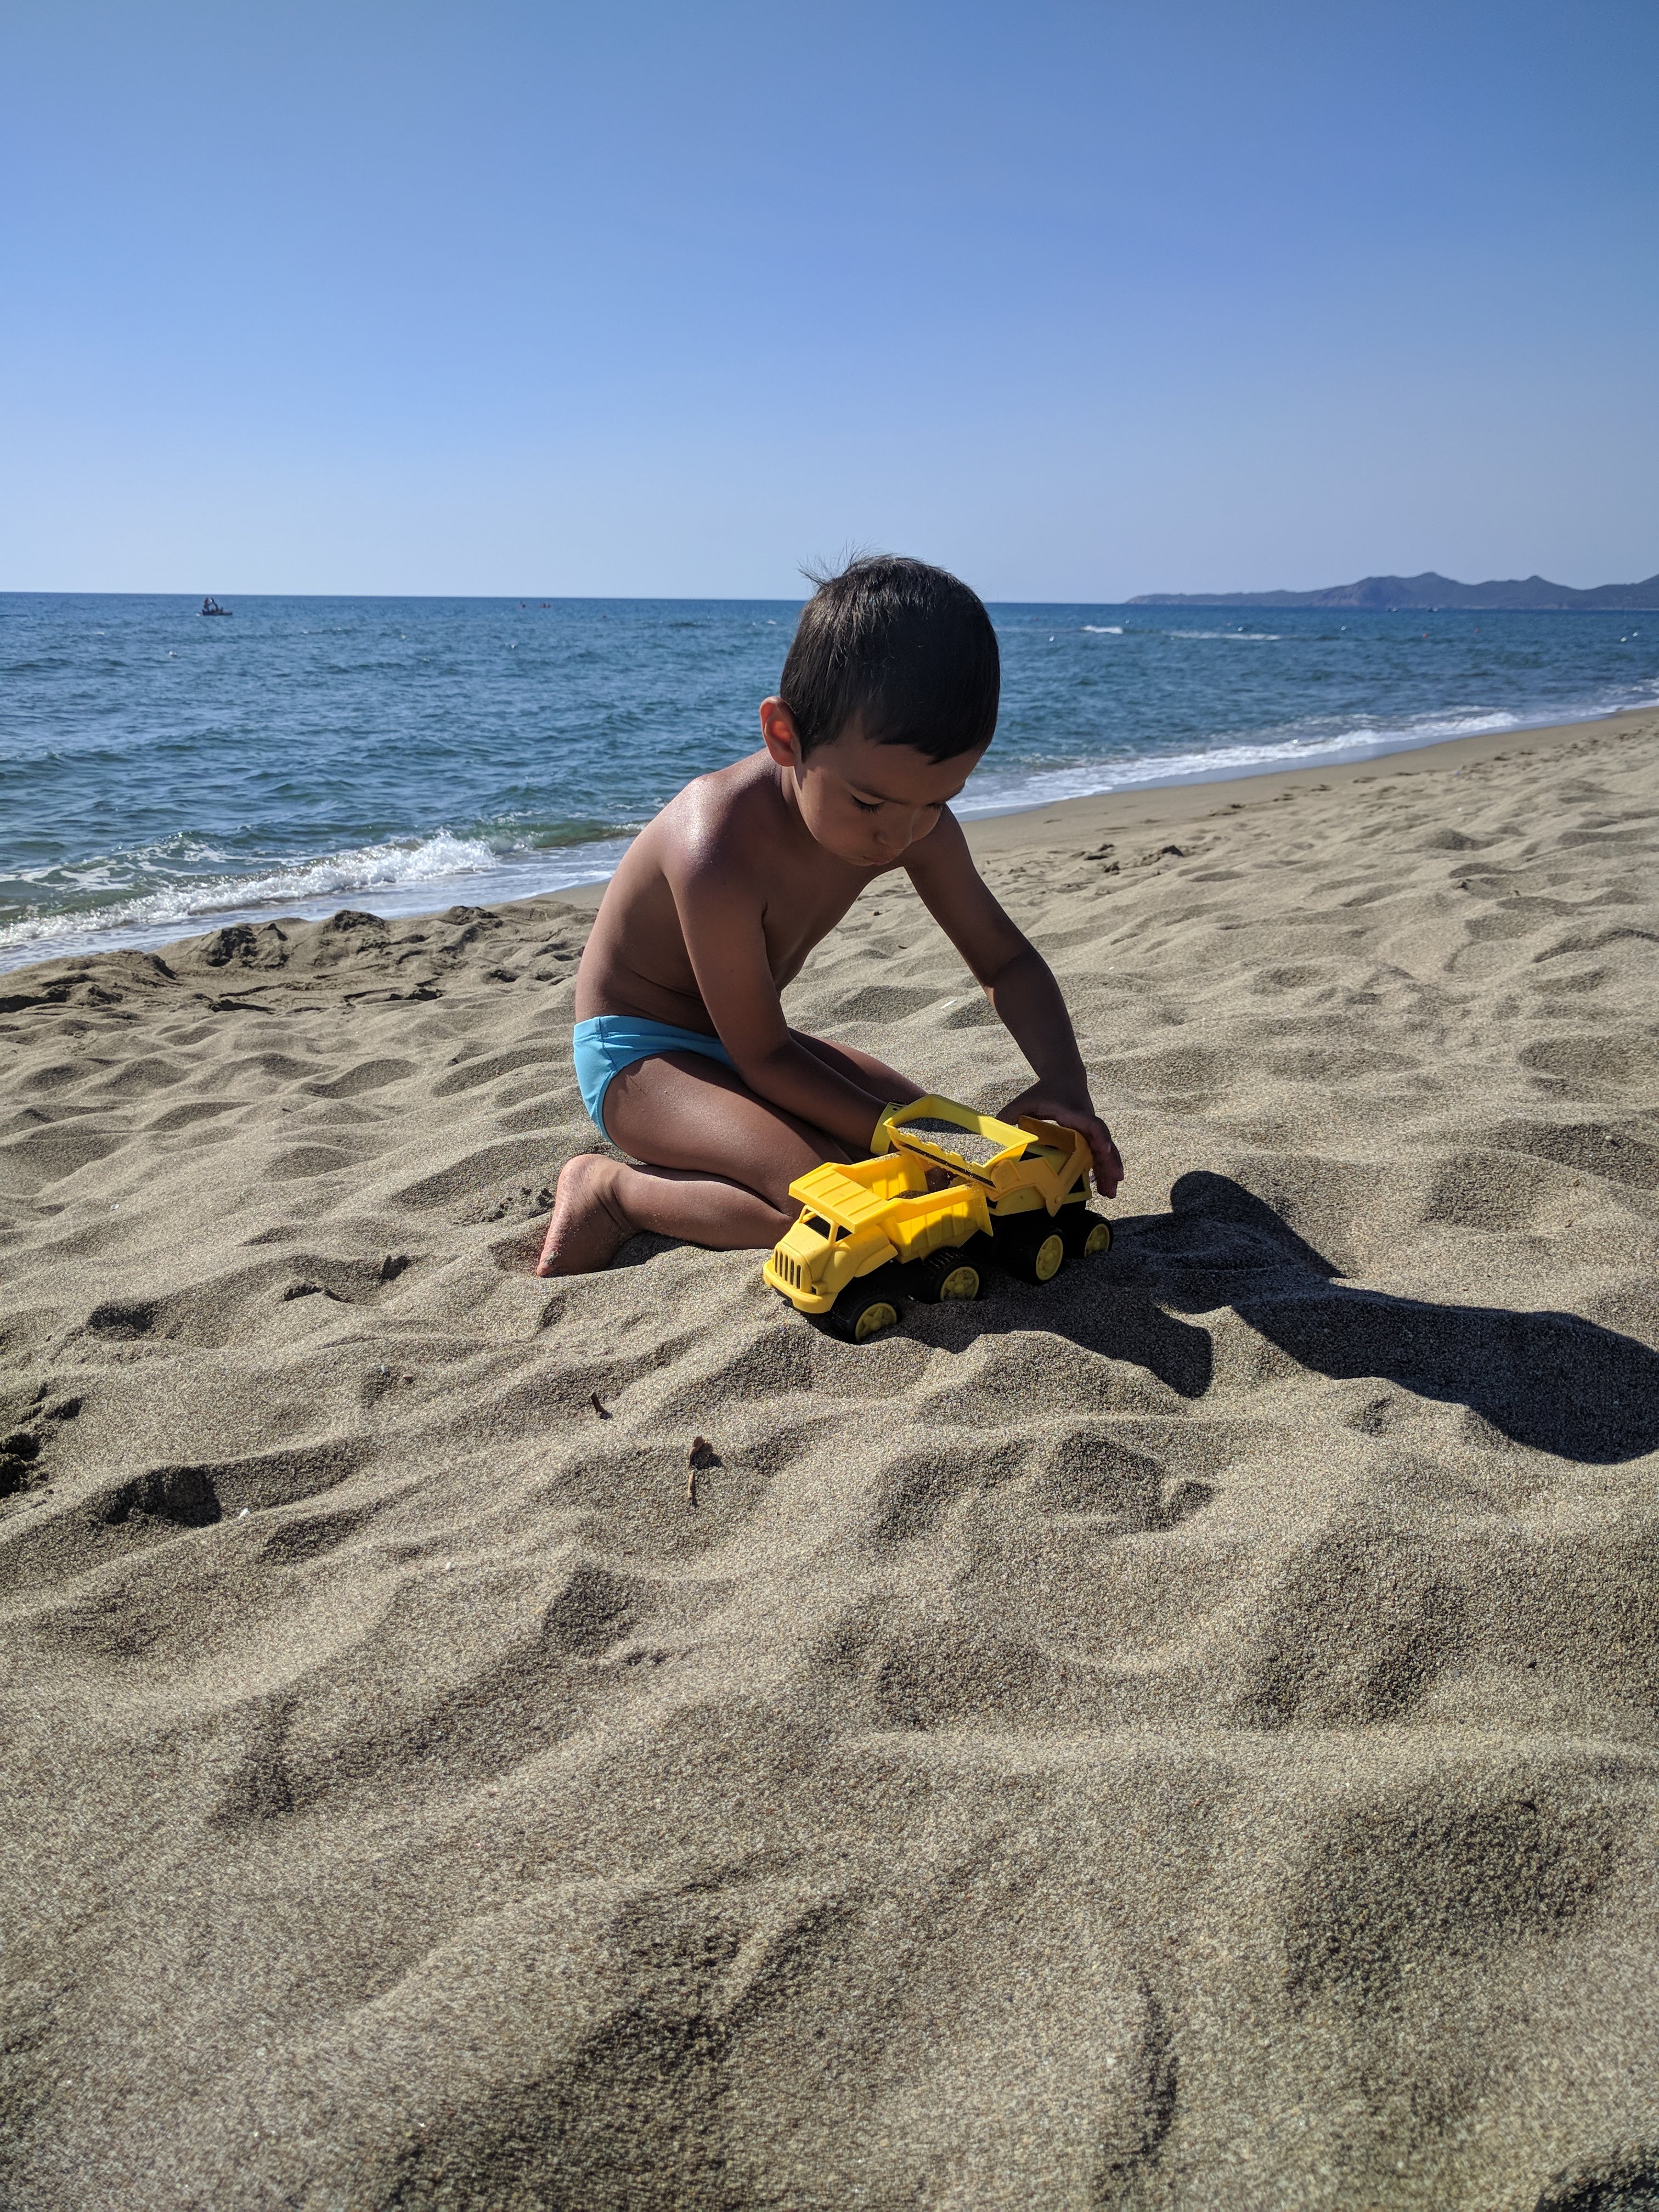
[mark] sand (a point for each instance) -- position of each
(1187, 1736)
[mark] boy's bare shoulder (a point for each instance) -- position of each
(712, 825)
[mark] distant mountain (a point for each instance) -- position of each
(1422, 593)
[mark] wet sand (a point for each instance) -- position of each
(1183, 1736)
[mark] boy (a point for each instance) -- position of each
(887, 701)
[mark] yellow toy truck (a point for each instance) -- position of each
(917, 1221)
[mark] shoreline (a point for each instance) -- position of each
(1146, 805)
(1155, 806)
(1176, 803)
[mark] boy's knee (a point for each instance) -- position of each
(776, 1194)
(773, 1186)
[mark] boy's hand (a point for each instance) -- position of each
(1047, 1106)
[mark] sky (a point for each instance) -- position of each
(637, 299)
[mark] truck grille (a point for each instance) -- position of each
(784, 1266)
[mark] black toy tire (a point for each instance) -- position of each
(941, 1277)
(1031, 1247)
(865, 1308)
(1086, 1234)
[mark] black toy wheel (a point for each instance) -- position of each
(1085, 1233)
(943, 1277)
(863, 1309)
(1031, 1247)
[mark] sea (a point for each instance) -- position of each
(161, 772)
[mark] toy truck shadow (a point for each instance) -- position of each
(918, 1222)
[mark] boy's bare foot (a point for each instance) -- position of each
(588, 1228)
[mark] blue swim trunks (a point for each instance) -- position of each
(610, 1043)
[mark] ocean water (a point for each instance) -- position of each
(161, 773)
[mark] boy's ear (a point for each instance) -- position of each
(778, 729)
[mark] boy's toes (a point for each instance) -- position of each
(588, 1228)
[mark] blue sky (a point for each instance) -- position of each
(1079, 301)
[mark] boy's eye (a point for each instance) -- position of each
(867, 806)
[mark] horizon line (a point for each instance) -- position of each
(1139, 600)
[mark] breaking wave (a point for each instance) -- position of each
(400, 877)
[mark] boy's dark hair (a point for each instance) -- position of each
(905, 648)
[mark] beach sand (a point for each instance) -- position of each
(1187, 1736)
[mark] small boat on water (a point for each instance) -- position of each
(213, 607)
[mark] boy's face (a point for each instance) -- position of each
(864, 802)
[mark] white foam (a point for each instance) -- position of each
(399, 878)
(1103, 630)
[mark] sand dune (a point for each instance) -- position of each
(1183, 1737)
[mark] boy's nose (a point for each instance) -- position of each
(897, 841)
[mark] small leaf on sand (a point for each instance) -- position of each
(702, 1455)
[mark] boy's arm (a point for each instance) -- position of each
(1020, 985)
(720, 919)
